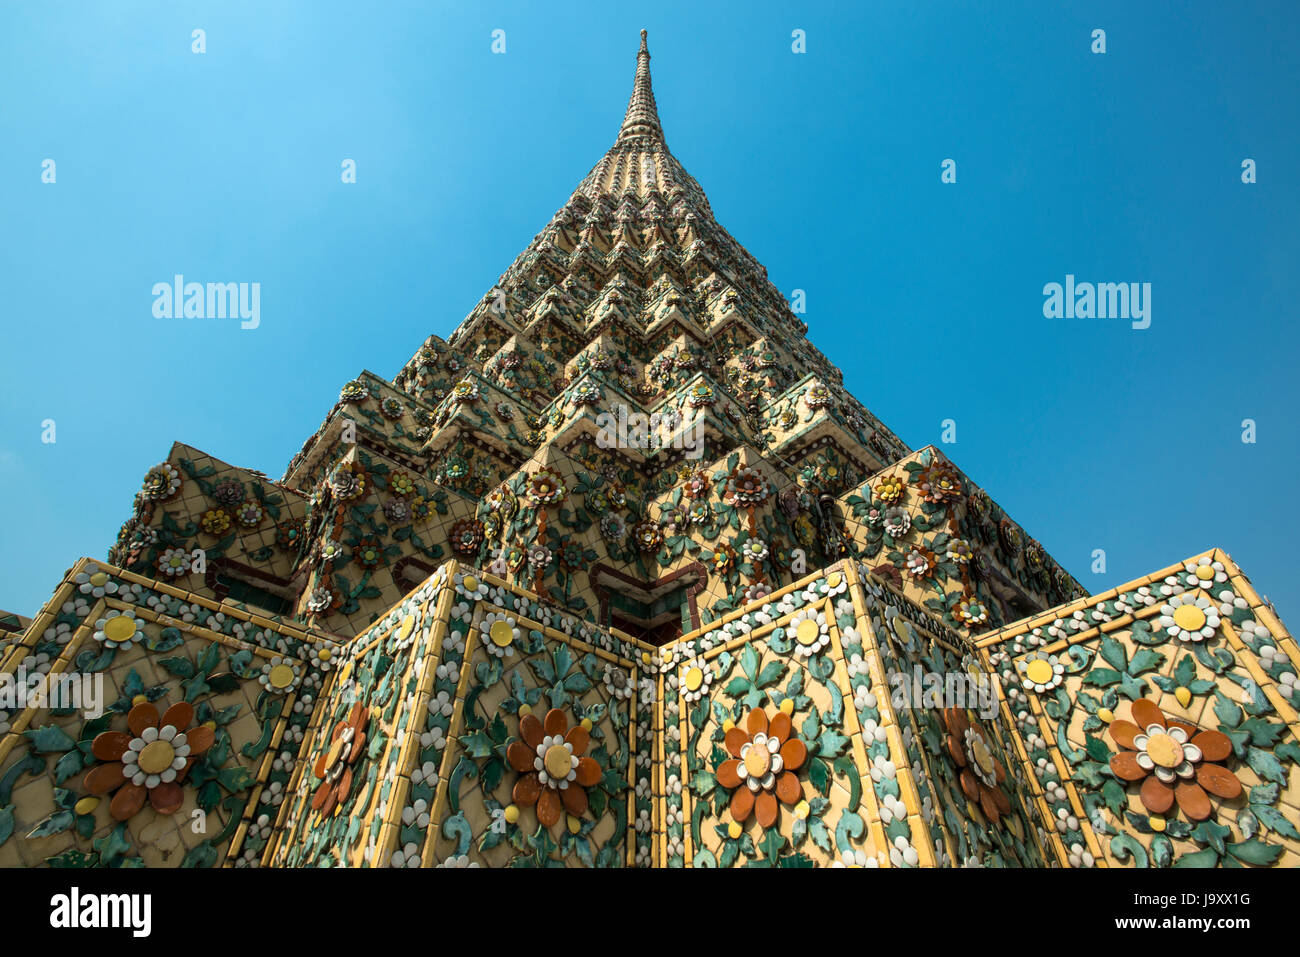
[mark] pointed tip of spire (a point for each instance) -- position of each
(642, 117)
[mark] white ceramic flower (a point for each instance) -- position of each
(759, 771)
(95, 581)
(1205, 573)
(1167, 753)
(499, 633)
(119, 629)
(1189, 617)
(174, 562)
(280, 675)
(1040, 672)
(618, 683)
(809, 630)
(156, 743)
(471, 586)
(694, 680)
(549, 764)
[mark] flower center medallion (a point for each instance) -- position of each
(1039, 671)
(808, 632)
(501, 633)
(1189, 618)
(979, 750)
(281, 676)
(1164, 750)
(558, 762)
(757, 761)
(157, 757)
(119, 629)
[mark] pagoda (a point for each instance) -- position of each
(620, 574)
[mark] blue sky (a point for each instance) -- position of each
(225, 167)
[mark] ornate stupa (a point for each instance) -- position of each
(620, 574)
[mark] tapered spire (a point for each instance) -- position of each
(642, 117)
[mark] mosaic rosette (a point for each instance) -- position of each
(1160, 721)
(190, 759)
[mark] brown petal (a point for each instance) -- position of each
(988, 805)
(104, 778)
(575, 800)
(957, 721)
(1219, 781)
(793, 754)
(1157, 796)
(322, 764)
(1001, 800)
(788, 788)
(520, 756)
(358, 746)
(756, 721)
(969, 785)
(319, 798)
(742, 804)
(331, 800)
(766, 808)
(1145, 714)
(735, 739)
(548, 807)
(180, 716)
(1122, 733)
(110, 745)
(167, 798)
(579, 737)
(526, 790)
(200, 739)
(1125, 766)
(359, 717)
(530, 729)
(143, 715)
(127, 801)
(1193, 800)
(780, 727)
(955, 751)
(589, 772)
(344, 786)
(727, 774)
(556, 723)
(1214, 745)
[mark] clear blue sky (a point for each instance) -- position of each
(225, 167)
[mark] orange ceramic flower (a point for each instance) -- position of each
(554, 773)
(151, 761)
(761, 770)
(981, 774)
(1174, 761)
(334, 766)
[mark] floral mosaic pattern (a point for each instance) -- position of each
(1171, 707)
(188, 762)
